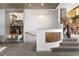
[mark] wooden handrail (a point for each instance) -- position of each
(30, 33)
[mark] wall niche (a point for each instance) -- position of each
(52, 36)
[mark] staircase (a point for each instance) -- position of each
(68, 45)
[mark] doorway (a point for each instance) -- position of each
(15, 24)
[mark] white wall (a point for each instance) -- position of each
(30, 38)
(2, 25)
(7, 23)
(39, 19)
(42, 45)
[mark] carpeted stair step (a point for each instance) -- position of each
(66, 48)
(69, 44)
(70, 40)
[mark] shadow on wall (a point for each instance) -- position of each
(30, 37)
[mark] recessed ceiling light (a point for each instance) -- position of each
(30, 5)
(42, 4)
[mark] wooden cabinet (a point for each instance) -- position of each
(52, 37)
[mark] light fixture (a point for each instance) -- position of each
(42, 4)
(30, 5)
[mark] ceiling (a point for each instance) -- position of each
(26, 5)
